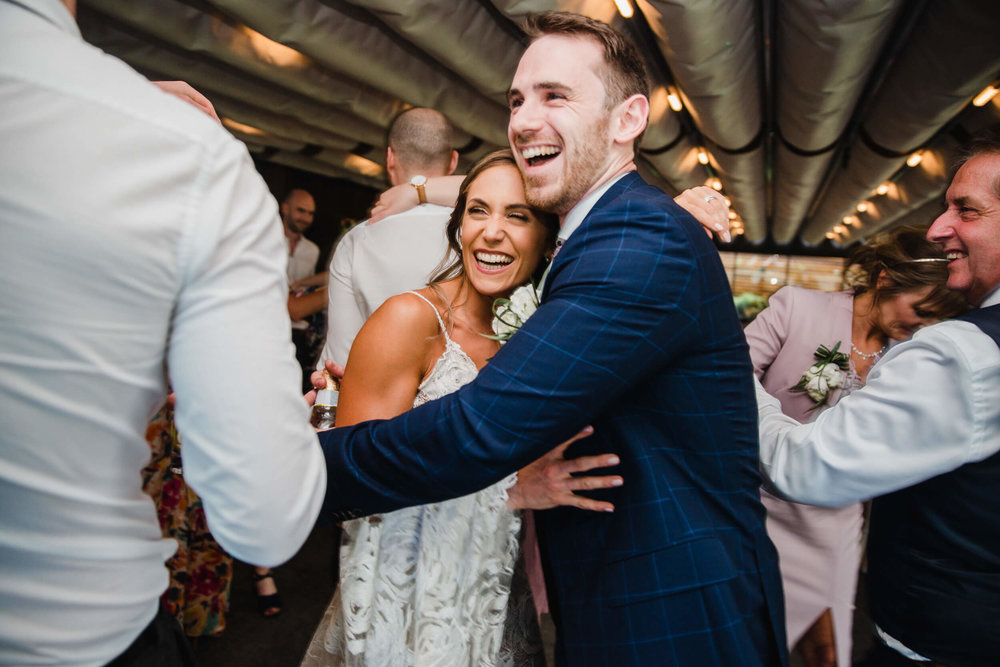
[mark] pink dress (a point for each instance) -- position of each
(819, 548)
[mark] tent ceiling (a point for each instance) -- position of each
(803, 107)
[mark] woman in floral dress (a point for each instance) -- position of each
(200, 571)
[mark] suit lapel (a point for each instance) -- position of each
(577, 237)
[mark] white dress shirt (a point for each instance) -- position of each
(135, 234)
(373, 262)
(301, 262)
(930, 405)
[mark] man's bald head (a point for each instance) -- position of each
(420, 141)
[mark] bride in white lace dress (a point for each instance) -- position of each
(442, 584)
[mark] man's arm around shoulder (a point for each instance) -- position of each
(930, 405)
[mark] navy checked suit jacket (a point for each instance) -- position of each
(636, 334)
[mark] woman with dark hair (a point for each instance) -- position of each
(442, 583)
(811, 349)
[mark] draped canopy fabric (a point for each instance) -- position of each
(802, 108)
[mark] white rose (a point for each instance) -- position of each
(833, 376)
(524, 302)
(512, 316)
(504, 322)
(816, 387)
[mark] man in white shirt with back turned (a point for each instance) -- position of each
(923, 438)
(376, 261)
(136, 236)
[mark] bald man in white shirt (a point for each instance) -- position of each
(376, 261)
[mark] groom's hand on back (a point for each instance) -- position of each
(552, 480)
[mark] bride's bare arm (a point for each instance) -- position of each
(441, 190)
(706, 205)
(388, 359)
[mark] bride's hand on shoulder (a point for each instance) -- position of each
(709, 208)
(441, 190)
(552, 480)
(395, 200)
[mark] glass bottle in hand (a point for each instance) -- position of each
(324, 410)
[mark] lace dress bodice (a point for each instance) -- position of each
(432, 584)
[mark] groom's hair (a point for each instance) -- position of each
(624, 73)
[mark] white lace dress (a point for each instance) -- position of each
(433, 585)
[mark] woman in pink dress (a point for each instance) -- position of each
(898, 286)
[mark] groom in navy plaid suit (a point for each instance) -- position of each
(637, 335)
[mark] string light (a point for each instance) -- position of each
(984, 96)
(624, 8)
(882, 189)
(914, 159)
(674, 99)
(702, 156)
(862, 207)
(240, 127)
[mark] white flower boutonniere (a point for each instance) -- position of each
(509, 315)
(824, 376)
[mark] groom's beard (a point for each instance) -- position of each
(583, 160)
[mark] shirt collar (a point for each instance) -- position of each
(992, 299)
(53, 11)
(582, 208)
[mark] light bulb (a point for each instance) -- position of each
(984, 96)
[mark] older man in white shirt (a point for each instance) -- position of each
(923, 435)
(297, 212)
(136, 236)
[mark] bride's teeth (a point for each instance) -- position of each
(954, 255)
(493, 258)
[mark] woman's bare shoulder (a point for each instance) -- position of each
(410, 312)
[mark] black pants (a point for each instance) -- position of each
(161, 644)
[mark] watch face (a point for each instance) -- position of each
(418, 180)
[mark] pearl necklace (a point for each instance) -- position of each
(868, 355)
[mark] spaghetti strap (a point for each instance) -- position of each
(437, 314)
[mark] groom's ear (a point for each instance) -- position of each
(630, 119)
